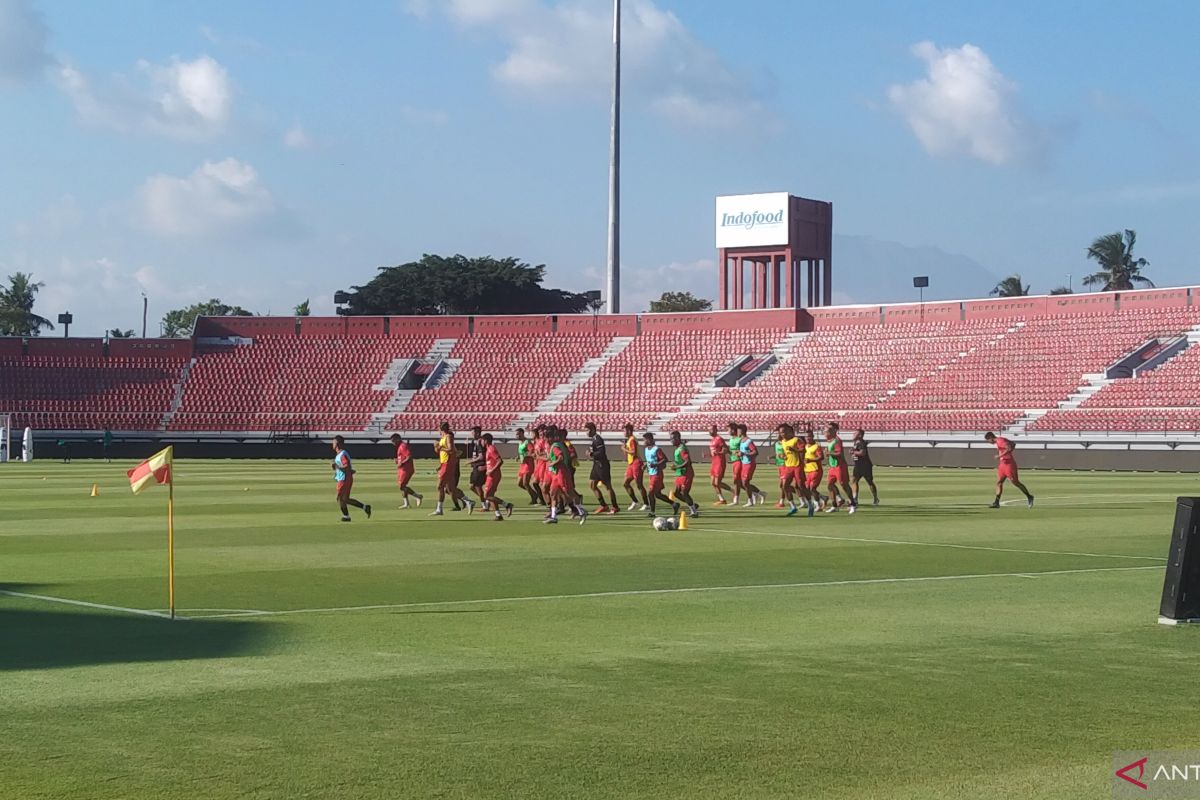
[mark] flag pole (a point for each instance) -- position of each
(171, 539)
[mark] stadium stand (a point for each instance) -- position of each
(1050, 366)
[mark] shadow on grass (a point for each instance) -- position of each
(53, 639)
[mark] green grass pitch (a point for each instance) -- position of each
(929, 648)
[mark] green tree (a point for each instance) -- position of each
(302, 309)
(1061, 290)
(679, 302)
(1010, 287)
(461, 285)
(1119, 270)
(178, 324)
(118, 333)
(16, 307)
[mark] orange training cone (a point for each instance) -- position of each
(95, 490)
(683, 520)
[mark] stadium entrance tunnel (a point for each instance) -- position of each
(34, 638)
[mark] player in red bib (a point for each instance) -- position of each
(404, 470)
(541, 453)
(718, 449)
(492, 460)
(1006, 469)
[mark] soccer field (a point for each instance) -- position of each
(928, 648)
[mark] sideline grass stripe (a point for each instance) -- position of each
(681, 590)
(143, 612)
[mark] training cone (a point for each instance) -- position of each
(683, 520)
(95, 490)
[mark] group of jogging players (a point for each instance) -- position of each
(548, 462)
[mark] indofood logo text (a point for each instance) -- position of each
(751, 219)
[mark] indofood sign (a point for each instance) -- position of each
(750, 220)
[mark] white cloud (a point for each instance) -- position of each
(965, 107)
(182, 100)
(298, 139)
(563, 48)
(218, 197)
(23, 36)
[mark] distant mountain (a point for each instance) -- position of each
(868, 270)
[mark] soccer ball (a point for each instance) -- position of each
(664, 523)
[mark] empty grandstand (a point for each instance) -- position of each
(1061, 366)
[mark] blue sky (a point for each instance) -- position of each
(268, 152)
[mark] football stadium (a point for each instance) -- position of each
(777, 546)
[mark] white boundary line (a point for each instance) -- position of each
(929, 544)
(142, 612)
(683, 590)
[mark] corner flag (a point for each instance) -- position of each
(157, 468)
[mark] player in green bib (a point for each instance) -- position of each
(780, 460)
(684, 474)
(525, 469)
(735, 447)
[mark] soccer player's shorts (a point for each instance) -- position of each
(602, 472)
(737, 470)
(684, 482)
(635, 470)
(445, 474)
(813, 479)
(748, 472)
(344, 487)
(455, 473)
(864, 471)
(491, 483)
(525, 469)
(1007, 470)
(799, 477)
(478, 476)
(784, 472)
(404, 475)
(716, 468)
(837, 474)
(656, 483)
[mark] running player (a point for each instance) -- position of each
(780, 466)
(525, 468)
(1006, 469)
(562, 481)
(718, 450)
(601, 477)
(835, 452)
(343, 473)
(476, 459)
(635, 469)
(404, 470)
(793, 470)
(685, 474)
(448, 472)
(735, 448)
(492, 460)
(749, 453)
(541, 468)
(814, 457)
(656, 462)
(864, 469)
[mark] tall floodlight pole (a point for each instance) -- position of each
(614, 174)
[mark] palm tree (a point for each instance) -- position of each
(1119, 270)
(1061, 290)
(16, 307)
(1010, 287)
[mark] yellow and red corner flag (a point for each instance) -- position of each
(156, 468)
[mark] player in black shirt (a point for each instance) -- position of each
(601, 477)
(863, 468)
(476, 458)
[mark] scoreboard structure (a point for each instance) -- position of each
(775, 250)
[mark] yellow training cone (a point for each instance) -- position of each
(683, 518)
(95, 490)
